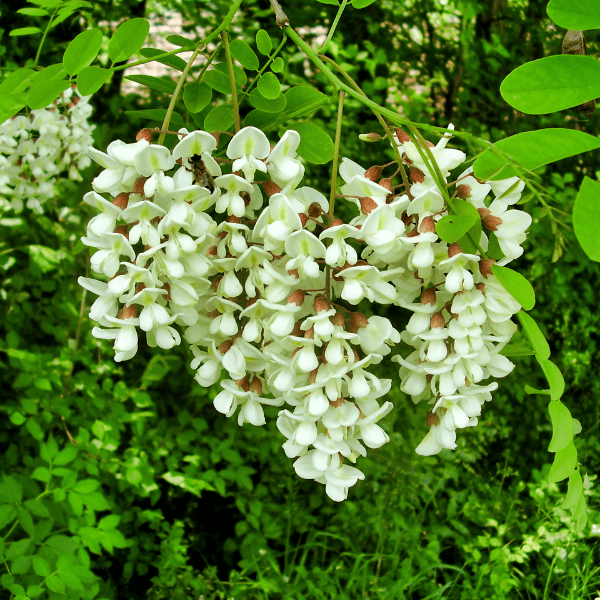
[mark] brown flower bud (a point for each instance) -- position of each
(454, 249)
(123, 230)
(144, 134)
(314, 210)
(138, 186)
(416, 175)
(427, 225)
(428, 296)
(370, 137)
(387, 184)
(432, 419)
(367, 205)
(225, 346)
(485, 266)
(358, 320)
(337, 403)
(303, 219)
(128, 312)
(402, 136)
(296, 297)
(256, 386)
(463, 191)
(338, 319)
(437, 321)
(373, 173)
(121, 200)
(271, 188)
(321, 304)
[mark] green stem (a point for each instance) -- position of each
(333, 27)
(39, 51)
(234, 99)
(336, 152)
(382, 122)
(171, 108)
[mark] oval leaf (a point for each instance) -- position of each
(453, 227)
(17, 81)
(128, 39)
(263, 42)
(315, 145)
(516, 285)
(182, 42)
(554, 377)
(25, 31)
(535, 336)
(242, 52)
(553, 83)
(586, 218)
(218, 81)
(574, 491)
(533, 149)
(174, 62)
(46, 93)
(562, 426)
(154, 83)
(264, 104)
(564, 464)
(34, 12)
(196, 96)
(269, 87)
(277, 65)
(219, 118)
(362, 3)
(91, 79)
(82, 51)
(301, 100)
(580, 15)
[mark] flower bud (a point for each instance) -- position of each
(370, 137)
(373, 173)
(144, 134)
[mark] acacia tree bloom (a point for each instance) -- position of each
(270, 302)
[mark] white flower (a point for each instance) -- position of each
(282, 164)
(248, 146)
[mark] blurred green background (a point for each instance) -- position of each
(148, 492)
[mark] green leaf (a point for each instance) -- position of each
(171, 61)
(91, 79)
(579, 16)
(154, 83)
(55, 584)
(115, 538)
(218, 81)
(574, 491)
(269, 86)
(25, 31)
(10, 105)
(586, 218)
(195, 486)
(196, 96)
(553, 83)
(315, 145)
(263, 42)
(56, 71)
(564, 464)
(182, 42)
(26, 521)
(534, 335)
(37, 507)
(530, 390)
(34, 12)
(70, 580)
(242, 52)
(34, 590)
(266, 105)
(516, 285)
(18, 548)
(128, 39)
(86, 486)
(334, 2)
(362, 3)
(95, 501)
(46, 93)
(301, 100)
(17, 418)
(20, 566)
(65, 456)
(11, 490)
(109, 522)
(554, 377)
(76, 503)
(41, 566)
(82, 51)
(17, 81)
(533, 149)
(277, 65)
(219, 118)
(452, 228)
(41, 474)
(239, 74)
(34, 429)
(562, 426)
(155, 114)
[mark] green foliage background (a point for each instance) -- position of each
(122, 481)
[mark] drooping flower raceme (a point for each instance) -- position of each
(230, 255)
(36, 150)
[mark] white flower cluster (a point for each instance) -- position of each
(248, 268)
(35, 150)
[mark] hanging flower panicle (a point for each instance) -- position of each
(248, 268)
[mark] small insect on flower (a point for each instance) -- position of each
(201, 175)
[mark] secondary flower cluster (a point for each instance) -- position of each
(248, 265)
(36, 149)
